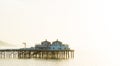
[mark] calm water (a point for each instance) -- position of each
(82, 58)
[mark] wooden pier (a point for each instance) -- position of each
(42, 54)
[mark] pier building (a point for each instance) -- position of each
(56, 45)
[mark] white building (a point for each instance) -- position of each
(56, 45)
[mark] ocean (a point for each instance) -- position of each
(82, 58)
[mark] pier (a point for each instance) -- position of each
(43, 50)
(42, 54)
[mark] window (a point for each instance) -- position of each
(53, 48)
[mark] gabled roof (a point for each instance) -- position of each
(45, 42)
(57, 42)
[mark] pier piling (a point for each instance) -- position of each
(48, 54)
